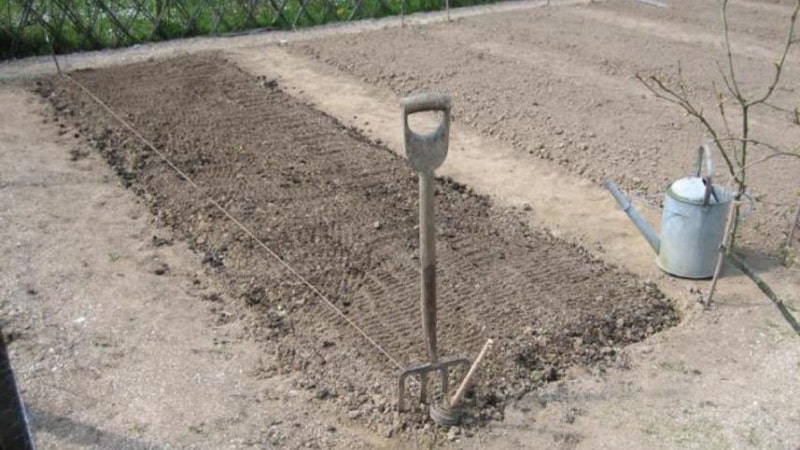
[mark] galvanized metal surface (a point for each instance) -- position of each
(691, 234)
(422, 370)
(636, 218)
(692, 222)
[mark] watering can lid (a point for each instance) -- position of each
(691, 189)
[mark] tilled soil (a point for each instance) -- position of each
(342, 212)
(559, 83)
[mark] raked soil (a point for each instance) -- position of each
(559, 84)
(342, 212)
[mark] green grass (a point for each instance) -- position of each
(76, 25)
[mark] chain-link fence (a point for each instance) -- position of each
(26, 25)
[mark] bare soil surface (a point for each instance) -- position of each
(343, 213)
(119, 338)
(558, 83)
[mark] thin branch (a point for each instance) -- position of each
(734, 83)
(673, 97)
(767, 158)
(776, 152)
(725, 79)
(794, 112)
(682, 81)
(756, 142)
(725, 242)
(779, 108)
(790, 39)
(721, 107)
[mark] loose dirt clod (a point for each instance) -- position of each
(312, 191)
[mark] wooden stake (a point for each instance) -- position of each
(462, 390)
(724, 244)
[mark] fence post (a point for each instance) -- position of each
(161, 13)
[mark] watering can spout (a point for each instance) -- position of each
(636, 218)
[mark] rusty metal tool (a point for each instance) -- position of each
(425, 153)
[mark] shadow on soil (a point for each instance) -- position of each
(759, 261)
(84, 434)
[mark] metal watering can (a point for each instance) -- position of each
(692, 223)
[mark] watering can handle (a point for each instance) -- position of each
(426, 152)
(704, 150)
(709, 190)
(701, 151)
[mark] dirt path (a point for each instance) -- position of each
(120, 340)
(566, 204)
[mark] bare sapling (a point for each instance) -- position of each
(731, 133)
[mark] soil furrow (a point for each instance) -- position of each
(346, 219)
